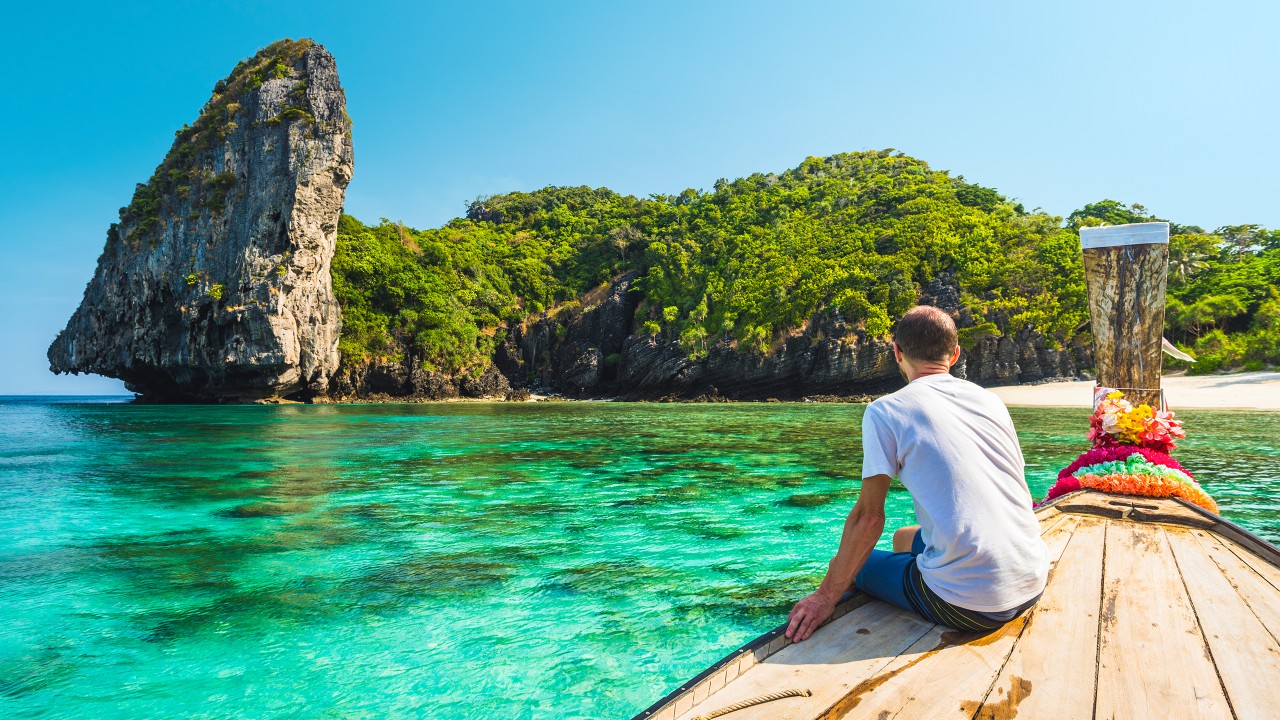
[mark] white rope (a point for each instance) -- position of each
(753, 701)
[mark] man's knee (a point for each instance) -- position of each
(903, 537)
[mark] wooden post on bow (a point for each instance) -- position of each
(1126, 268)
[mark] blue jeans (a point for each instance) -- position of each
(895, 578)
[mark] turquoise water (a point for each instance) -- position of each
(536, 560)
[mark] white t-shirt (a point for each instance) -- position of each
(953, 446)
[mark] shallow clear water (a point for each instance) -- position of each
(443, 561)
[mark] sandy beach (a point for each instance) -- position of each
(1249, 390)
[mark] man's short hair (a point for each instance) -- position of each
(926, 333)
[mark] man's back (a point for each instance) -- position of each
(953, 446)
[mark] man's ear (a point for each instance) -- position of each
(897, 351)
(955, 357)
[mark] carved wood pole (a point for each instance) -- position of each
(1125, 269)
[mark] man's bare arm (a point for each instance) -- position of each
(862, 530)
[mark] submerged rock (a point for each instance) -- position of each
(807, 500)
(265, 509)
(215, 284)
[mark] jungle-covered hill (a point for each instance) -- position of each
(789, 268)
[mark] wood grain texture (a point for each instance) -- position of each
(1052, 671)
(1246, 655)
(1250, 557)
(1126, 286)
(1261, 596)
(837, 657)
(1146, 615)
(946, 674)
(1152, 658)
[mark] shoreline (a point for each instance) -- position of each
(1257, 390)
(1254, 390)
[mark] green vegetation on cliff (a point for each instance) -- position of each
(185, 170)
(855, 236)
(439, 296)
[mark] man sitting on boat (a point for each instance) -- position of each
(976, 560)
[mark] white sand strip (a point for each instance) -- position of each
(1250, 390)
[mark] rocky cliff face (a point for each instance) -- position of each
(396, 382)
(1005, 359)
(215, 284)
(592, 350)
(823, 359)
(594, 353)
(1023, 357)
(577, 352)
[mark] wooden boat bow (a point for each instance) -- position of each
(1155, 608)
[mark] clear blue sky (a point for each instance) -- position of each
(1170, 104)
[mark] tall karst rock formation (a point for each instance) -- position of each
(215, 284)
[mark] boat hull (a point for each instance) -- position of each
(1154, 608)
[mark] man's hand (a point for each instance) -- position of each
(861, 531)
(808, 614)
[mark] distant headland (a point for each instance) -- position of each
(234, 276)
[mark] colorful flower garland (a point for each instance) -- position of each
(1130, 455)
(1116, 421)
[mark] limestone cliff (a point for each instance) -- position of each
(215, 283)
(594, 352)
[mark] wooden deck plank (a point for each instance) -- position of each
(1260, 595)
(1245, 653)
(1153, 660)
(1266, 570)
(1157, 620)
(823, 649)
(853, 648)
(1052, 670)
(945, 673)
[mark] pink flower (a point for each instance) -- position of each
(1116, 421)
(1112, 453)
(1118, 430)
(1063, 486)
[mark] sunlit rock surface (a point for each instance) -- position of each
(215, 284)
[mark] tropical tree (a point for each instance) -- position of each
(1108, 212)
(1190, 254)
(1239, 240)
(1210, 311)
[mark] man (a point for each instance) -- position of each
(976, 560)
